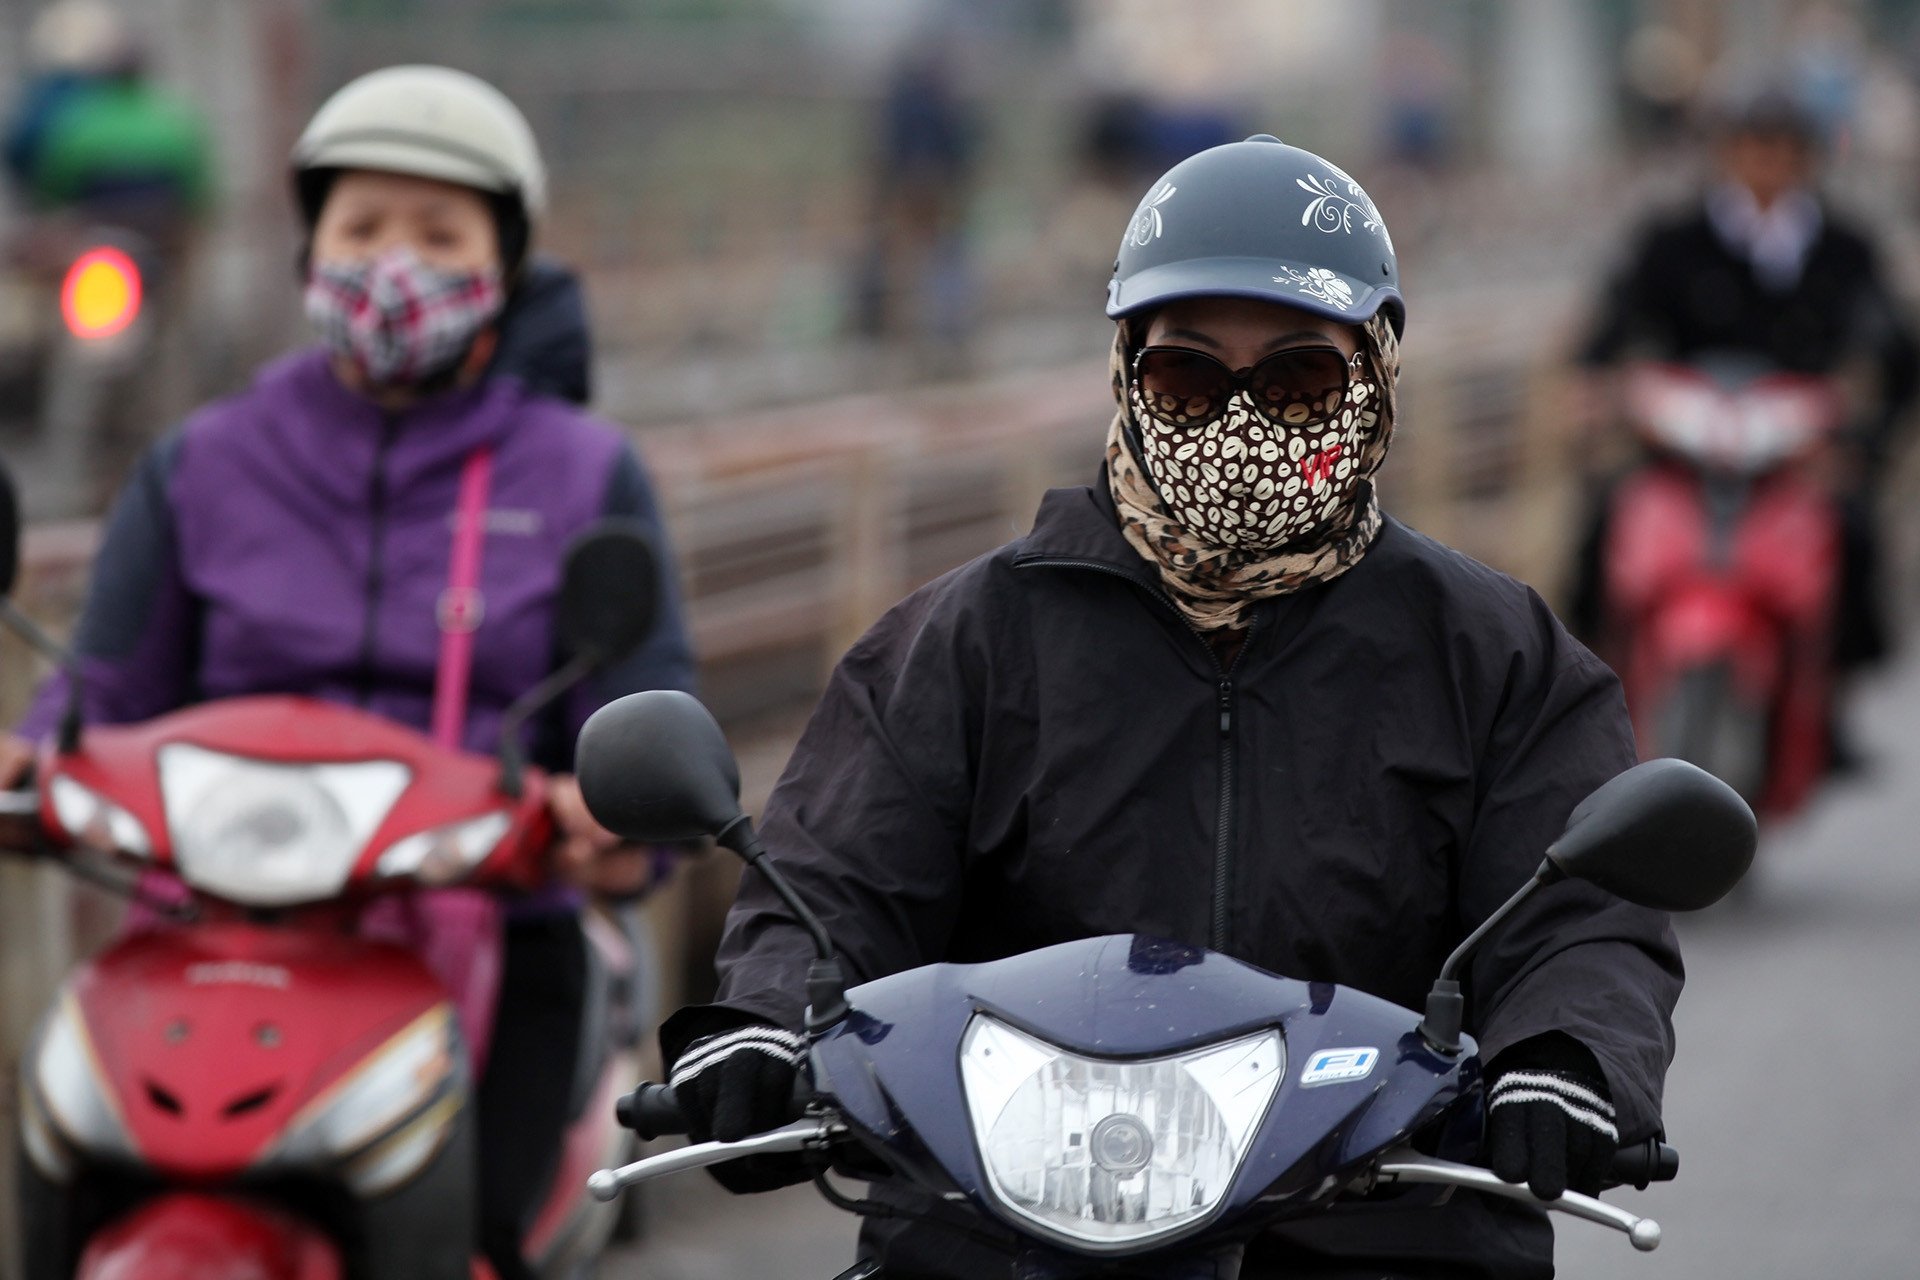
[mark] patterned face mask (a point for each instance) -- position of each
(399, 319)
(1317, 504)
(1240, 482)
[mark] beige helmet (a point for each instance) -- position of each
(83, 36)
(431, 122)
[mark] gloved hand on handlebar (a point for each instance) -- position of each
(1550, 1121)
(736, 1083)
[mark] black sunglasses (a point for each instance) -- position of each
(1295, 387)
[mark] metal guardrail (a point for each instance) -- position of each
(796, 527)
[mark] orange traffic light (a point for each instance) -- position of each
(101, 294)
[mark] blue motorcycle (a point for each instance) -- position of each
(1129, 1106)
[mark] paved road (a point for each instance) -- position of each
(1794, 1095)
(1795, 1098)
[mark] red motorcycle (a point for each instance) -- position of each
(1720, 564)
(253, 1088)
(84, 350)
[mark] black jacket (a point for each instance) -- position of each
(1683, 293)
(1036, 748)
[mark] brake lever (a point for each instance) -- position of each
(1410, 1166)
(801, 1135)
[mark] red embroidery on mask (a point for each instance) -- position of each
(1318, 467)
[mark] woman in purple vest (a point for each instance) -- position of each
(296, 537)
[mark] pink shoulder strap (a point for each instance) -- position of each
(461, 604)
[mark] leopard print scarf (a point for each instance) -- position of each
(1214, 586)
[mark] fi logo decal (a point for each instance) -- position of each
(1331, 1066)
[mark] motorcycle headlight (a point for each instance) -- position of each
(1111, 1155)
(270, 834)
(445, 854)
(94, 820)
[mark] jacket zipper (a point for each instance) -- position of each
(1223, 837)
(1218, 924)
(376, 557)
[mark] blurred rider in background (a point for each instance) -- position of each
(1763, 265)
(915, 277)
(296, 537)
(92, 134)
(99, 154)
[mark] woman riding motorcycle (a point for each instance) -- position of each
(1220, 697)
(296, 537)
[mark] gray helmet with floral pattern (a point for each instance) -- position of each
(1259, 219)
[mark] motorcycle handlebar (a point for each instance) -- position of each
(652, 1111)
(21, 833)
(1643, 1163)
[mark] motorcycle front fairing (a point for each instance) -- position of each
(1756, 597)
(262, 1036)
(226, 1051)
(1357, 1079)
(191, 1236)
(409, 813)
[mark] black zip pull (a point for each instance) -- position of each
(1223, 832)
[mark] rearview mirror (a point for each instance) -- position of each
(26, 628)
(609, 597)
(654, 768)
(9, 532)
(1663, 834)
(609, 592)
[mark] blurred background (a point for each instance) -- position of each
(846, 261)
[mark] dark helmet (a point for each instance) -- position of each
(1770, 112)
(1259, 219)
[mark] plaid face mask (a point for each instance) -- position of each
(400, 320)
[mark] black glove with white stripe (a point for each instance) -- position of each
(738, 1083)
(1550, 1121)
(734, 1083)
